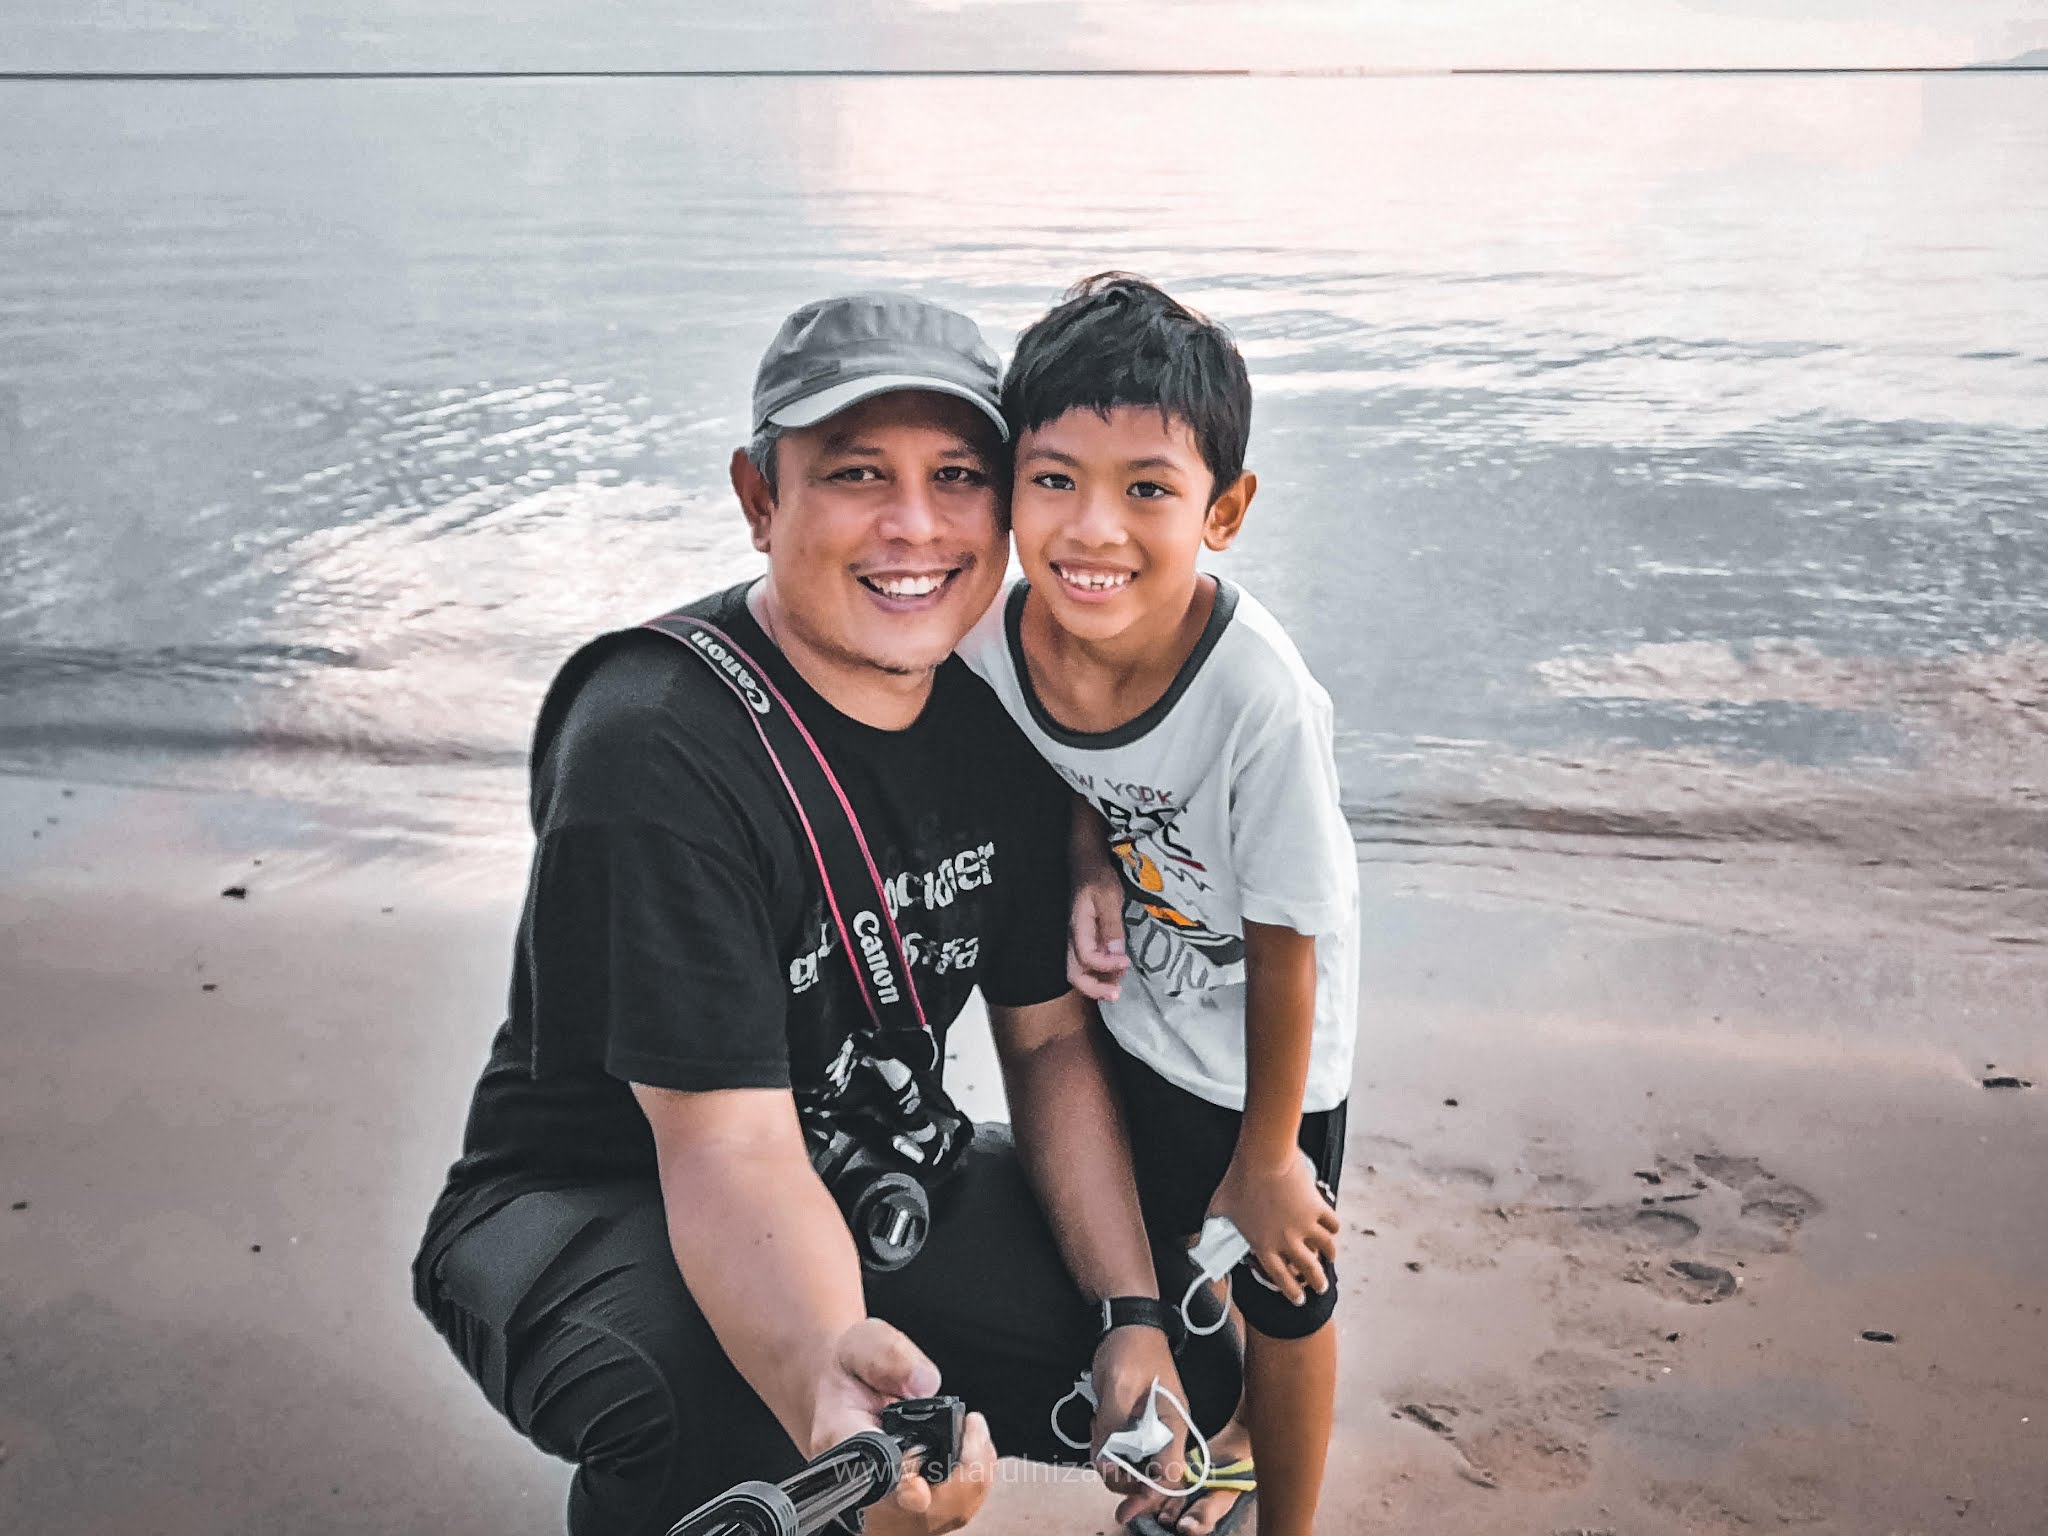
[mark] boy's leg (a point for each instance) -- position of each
(1181, 1146)
(1290, 1402)
(1283, 1426)
(1291, 1367)
(1284, 1421)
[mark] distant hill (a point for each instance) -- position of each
(2033, 58)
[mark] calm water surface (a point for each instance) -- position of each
(1655, 470)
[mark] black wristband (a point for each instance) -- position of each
(1143, 1312)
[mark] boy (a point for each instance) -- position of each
(1178, 709)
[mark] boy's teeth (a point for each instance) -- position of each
(906, 586)
(1096, 581)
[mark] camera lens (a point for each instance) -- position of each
(890, 1217)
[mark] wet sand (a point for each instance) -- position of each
(1621, 1284)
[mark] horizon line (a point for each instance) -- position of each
(82, 77)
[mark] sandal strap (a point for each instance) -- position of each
(1233, 1477)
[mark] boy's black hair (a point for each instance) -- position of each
(1116, 339)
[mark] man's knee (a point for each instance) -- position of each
(637, 1393)
(482, 1287)
(591, 1397)
(609, 1405)
(567, 1309)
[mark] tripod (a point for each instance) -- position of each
(849, 1477)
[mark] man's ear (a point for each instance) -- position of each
(1226, 513)
(756, 500)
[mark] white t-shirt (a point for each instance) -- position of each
(1223, 807)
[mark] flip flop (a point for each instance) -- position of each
(1233, 1477)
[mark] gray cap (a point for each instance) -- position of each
(838, 352)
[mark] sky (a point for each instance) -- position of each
(1012, 34)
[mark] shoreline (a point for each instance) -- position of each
(226, 1117)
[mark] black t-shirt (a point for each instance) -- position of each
(675, 931)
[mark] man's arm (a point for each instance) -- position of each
(761, 1246)
(1070, 1136)
(767, 1257)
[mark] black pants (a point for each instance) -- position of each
(566, 1308)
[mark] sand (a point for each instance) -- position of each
(1623, 1201)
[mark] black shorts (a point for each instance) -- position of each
(1181, 1146)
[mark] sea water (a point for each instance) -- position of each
(1655, 470)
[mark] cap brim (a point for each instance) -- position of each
(812, 409)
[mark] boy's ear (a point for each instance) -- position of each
(1226, 513)
(757, 502)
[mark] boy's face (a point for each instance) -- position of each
(1109, 513)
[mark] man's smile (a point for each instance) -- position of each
(909, 589)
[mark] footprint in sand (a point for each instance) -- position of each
(1641, 1224)
(1712, 1198)
(1457, 1175)
(1531, 1433)
(1686, 1280)
(1535, 1430)
(1767, 1200)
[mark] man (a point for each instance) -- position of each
(634, 1256)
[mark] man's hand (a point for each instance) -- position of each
(919, 1509)
(873, 1366)
(1127, 1362)
(1283, 1215)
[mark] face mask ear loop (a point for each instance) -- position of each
(1188, 1300)
(1217, 1251)
(1084, 1389)
(1195, 1438)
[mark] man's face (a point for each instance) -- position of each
(885, 537)
(1109, 513)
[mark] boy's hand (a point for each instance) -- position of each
(1281, 1211)
(1095, 928)
(1096, 961)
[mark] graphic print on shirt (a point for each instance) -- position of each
(1164, 931)
(935, 889)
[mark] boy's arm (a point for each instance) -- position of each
(1279, 1024)
(1270, 1189)
(1291, 851)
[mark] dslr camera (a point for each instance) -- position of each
(882, 1145)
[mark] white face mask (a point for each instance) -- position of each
(1129, 1449)
(1219, 1250)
